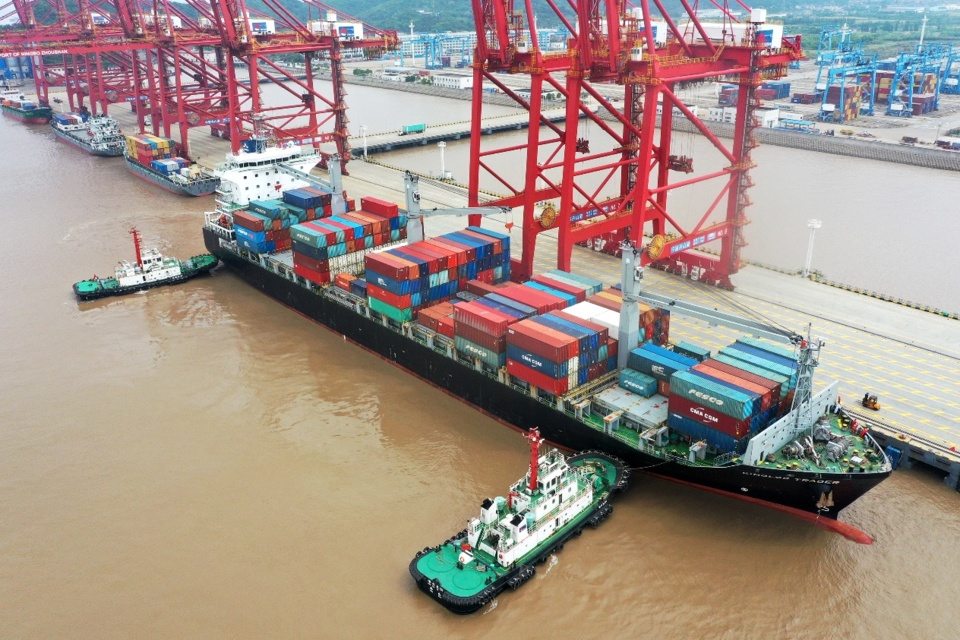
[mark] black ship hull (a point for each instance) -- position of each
(108, 152)
(97, 294)
(195, 188)
(786, 490)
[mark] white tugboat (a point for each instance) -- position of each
(551, 504)
(97, 135)
(152, 269)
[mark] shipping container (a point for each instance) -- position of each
(654, 365)
(737, 405)
(637, 382)
(692, 351)
(752, 406)
(542, 341)
(709, 417)
(763, 381)
(554, 369)
(592, 286)
(764, 391)
(667, 353)
(720, 441)
(539, 380)
(764, 363)
(469, 349)
(782, 380)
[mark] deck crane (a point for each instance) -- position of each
(415, 214)
(805, 406)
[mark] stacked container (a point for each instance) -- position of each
(654, 323)
(557, 352)
(70, 118)
(884, 86)
(847, 100)
(145, 148)
(334, 244)
(402, 280)
(725, 400)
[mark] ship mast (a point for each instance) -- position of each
(534, 437)
(807, 360)
(136, 245)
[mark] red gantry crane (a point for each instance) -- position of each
(617, 180)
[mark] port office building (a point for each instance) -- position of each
(453, 80)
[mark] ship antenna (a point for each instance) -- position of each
(136, 244)
(534, 437)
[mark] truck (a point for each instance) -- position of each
(412, 128)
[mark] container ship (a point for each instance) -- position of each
(156, 160)
(97, 135)
(15, 105)
(589, 365)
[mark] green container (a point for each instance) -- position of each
(400, 315)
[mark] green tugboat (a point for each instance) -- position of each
(500, 549)
(151, 270)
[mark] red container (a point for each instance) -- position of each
(773, 385)
(494, 242)
(452, 255)
(663, 388)
(341, 280)
(465, 253)
(542, 301)
(247, 221)
(445, 327)
(365, 225)
(382, 207)
(351, 203)
(709, 417)
(537, 379)
(480, 337)
(606, 302)
(762, 391)
(417, 253)
(347, 229)
(430, 316)
(387, 265)
(482, 317)
(612, 347)
(546, 280)
(310, 263)
(392, 299)
(538, 340)
(311, 275)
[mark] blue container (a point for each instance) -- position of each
(637, 382)
(692, 351)
(753, 407)
(555, 370)
(525, 309)
(713, 438)
(765, 363)
(698, 389)
(654, 365)
(252, 236)
(760, 371)
(667, 353)
(358, 287)
(503, 238)
(582, 335)
(566, 297)
(894, 455)
(592, 286)
(790, 363)
(317, 253)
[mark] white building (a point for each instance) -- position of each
(767, 117)
(453, 80)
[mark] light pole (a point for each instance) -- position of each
(442, 145)
(812, 224)
(363, 132)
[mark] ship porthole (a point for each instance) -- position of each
(744, 489)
